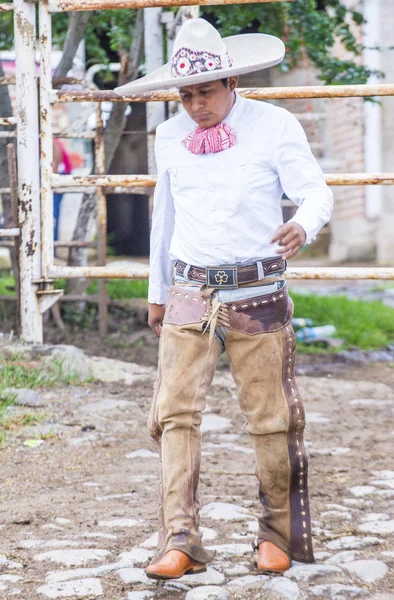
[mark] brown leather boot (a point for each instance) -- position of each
(272, 559)
(173, 565)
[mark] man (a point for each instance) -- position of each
(218, 234)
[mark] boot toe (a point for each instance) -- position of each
(272, 559)
(174, 565)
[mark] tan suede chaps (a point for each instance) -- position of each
(260, 344)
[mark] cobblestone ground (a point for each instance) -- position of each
(78, 512)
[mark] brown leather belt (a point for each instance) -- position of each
(230, 276)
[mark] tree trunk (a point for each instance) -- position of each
(76, 30)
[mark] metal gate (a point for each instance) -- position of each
(36, 180)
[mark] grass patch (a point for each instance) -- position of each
(15, 374)
(7, 284)
(123, 288)
(116, 288)
(366, 325)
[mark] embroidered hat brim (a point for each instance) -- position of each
(249, 52)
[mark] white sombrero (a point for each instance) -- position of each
(200, 55)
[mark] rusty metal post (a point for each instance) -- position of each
(28, 168)
(46, 138)
(101, 222)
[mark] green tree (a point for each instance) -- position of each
(308, 27)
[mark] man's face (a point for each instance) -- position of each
(208, 103)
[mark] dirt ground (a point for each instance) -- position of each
(68, 493)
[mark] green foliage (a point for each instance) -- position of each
(6, 28)
(123, 288)
(80, 320)
(308, 28)
(108, 34)
(366, 325)
(306, 31)
(7, 284)
(16, 375)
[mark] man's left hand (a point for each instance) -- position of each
(291, 236)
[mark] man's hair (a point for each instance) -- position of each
(224, 82)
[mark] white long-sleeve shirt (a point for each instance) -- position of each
(224, 208)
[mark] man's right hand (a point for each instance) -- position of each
(155, 317)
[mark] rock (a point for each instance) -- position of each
(253, 526)
(115, 496)
(316, 417)
(10, 578)
(367, 570)
(371, 403)
(336, 507)
(339, 451)
(120, 523)
(350, 542)
(111, 370)
(237, 570)
(231, 549)
(362, 490)
(383, 474)
(57, 576)
(210, 592)
(175, 585)
(214, 423)
(80, 588)
(9, 564)
(374, 517)
(247, 582)
(230, 446)
(384, 482)
(322, 555)
(224, 511)
(381, 527)
(106, 405)
(72, 558)
(353, 502)
(388, 553)
(224, 380)
(210, 577)
(63, 521)
(208, 534)
(337, 591)
(50, 543)
(283, 587)
(142, 453)
(67, 363)
(342, 557)
(140, 595)
(151, 542)
(133, 575)
(336, 514)
(305, 572)
(23, 397)
(243, 536)
(136, 556)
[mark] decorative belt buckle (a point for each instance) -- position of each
(222, 277)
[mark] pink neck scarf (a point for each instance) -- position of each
(211, 139)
